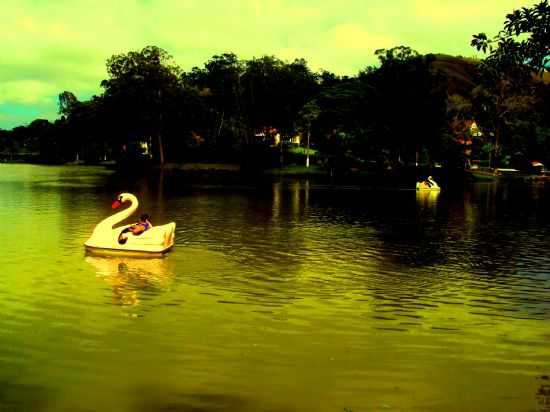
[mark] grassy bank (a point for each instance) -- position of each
(297, 171)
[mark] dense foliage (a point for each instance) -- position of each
(510, 97)
(409, 109)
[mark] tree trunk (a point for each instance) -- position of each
(281, 152)
(496, 149)
(159, 141)
(307, 146)
(219, 130)
(161, 149)
(159, 131)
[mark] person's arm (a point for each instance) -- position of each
(138, 229)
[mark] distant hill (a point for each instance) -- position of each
(462, 72)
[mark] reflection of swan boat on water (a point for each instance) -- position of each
(427, 197)
(156, 240)
(152, 268)
(427, 192)
(428, 185)
(127, 276)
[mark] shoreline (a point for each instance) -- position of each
(230, 172)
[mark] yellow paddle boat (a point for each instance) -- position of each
(428, 185)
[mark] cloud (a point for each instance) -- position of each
(26, 92)
(354, 37)
(443, 12)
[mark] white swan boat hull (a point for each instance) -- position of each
(156, 241)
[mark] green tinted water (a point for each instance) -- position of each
(282, 297)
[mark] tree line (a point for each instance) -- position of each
(410, 108)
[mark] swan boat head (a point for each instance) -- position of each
(156, 240)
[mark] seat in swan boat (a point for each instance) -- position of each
(156, 240)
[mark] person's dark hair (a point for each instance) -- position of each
(144, 217)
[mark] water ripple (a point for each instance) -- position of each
(275, 292)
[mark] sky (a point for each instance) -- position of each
(49, 46)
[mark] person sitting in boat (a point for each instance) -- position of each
(137, 228)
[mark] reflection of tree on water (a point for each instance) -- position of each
(131, 278)
(411, 228)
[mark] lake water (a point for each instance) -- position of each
(285, 296)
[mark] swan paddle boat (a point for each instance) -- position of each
(428, 185)
(154, 241)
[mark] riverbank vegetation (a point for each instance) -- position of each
(266, 113)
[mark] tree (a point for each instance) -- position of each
(523, 43)
(275, 91)
(142, 88)
(458, 139)
(309, 113)
(66, 103)
(540, 139)
(501, 109)
(396, 55)
(505, 97)
(408, 103)
(219, 83)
